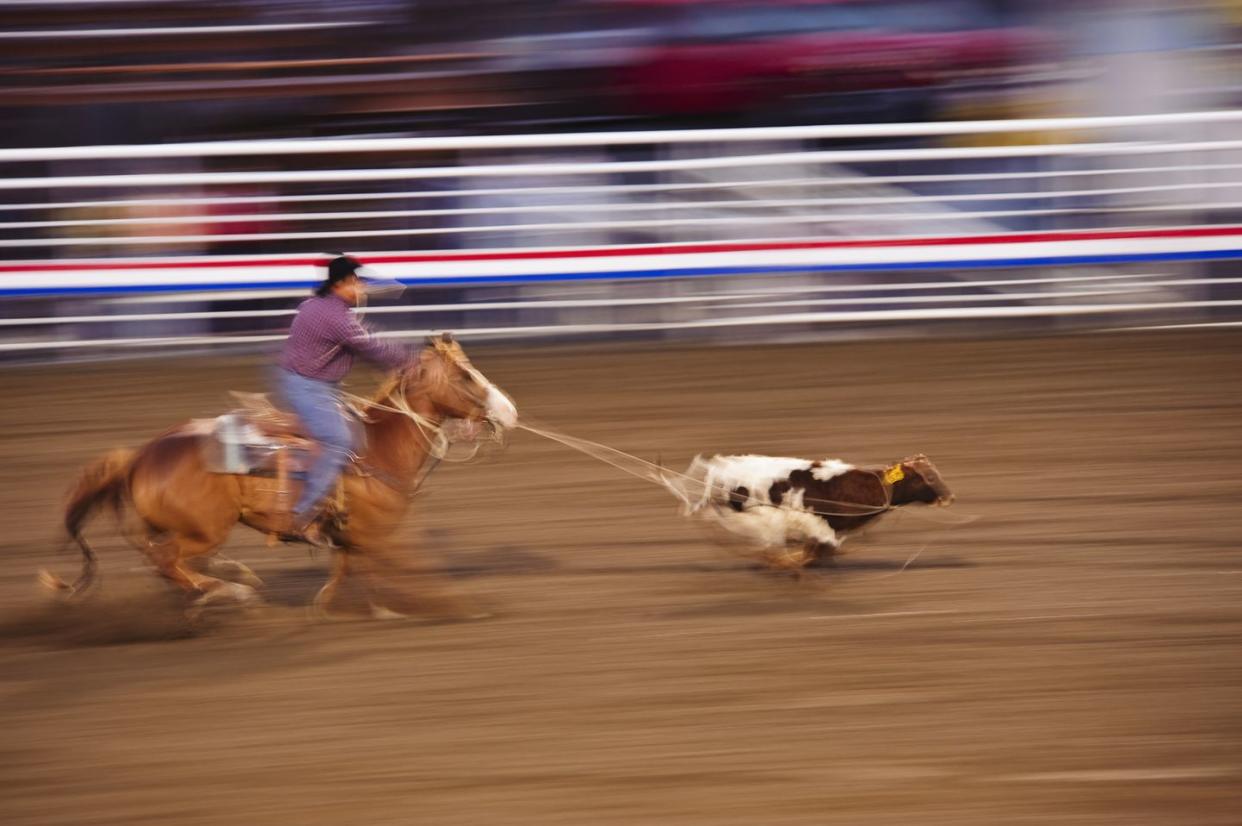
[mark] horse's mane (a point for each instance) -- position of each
(388, 386)
(426, 376)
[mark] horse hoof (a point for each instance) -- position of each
(472, 615)
(241, 575)
(53, 583)
(379, 612)
(229, 592)
(233, 571)
(222, 600)
(318, 611)
(251, 580)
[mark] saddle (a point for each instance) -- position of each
(263, 428)
(268, 420)
(258, 439)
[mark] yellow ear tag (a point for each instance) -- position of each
(894, 475)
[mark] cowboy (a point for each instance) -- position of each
(323, 341)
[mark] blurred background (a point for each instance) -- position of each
(559, 126)
(138, 71)
(1003, 233)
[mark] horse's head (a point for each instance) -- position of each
(922, 482)
(456, 389)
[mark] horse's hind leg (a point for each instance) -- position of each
(148, 540)
(222, 567)
(172, 557)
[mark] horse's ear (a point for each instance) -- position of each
(441, 342)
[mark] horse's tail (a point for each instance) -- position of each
(102, 483)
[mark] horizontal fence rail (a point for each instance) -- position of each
(665, 137)
(729, 234)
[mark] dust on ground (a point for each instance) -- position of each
(1070, 657)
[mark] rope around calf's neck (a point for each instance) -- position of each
(659, 475)
(602, 452)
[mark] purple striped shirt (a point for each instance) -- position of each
(325, 337)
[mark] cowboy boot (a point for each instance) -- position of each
(310, 530)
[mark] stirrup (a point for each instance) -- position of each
(313, 534)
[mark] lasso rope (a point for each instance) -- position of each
(660, 475)
(657, 474)
(438, 445)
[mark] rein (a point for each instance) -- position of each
(438, 442)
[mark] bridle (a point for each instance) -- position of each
(439, 442)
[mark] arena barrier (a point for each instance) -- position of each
(1112, 221)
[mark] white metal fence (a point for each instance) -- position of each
(1087, 221)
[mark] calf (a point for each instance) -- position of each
(797, 512)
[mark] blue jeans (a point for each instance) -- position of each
(318, 405)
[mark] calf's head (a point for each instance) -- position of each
(921, 482)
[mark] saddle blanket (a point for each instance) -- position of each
(233, 444)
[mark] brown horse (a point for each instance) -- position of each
(182, 512)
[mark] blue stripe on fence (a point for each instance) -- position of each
(688, 272)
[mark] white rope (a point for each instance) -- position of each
(438, 442)
(947, 523)
(432, 433)
(659, 475)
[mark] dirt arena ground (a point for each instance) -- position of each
(1071, 657)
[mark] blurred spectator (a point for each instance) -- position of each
(247, 68)
(246, 214)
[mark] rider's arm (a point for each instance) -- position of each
(381, 353)
(344, 330)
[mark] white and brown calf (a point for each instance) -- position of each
(795, 512)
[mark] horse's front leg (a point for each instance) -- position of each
(321, 606)
(397, 585)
